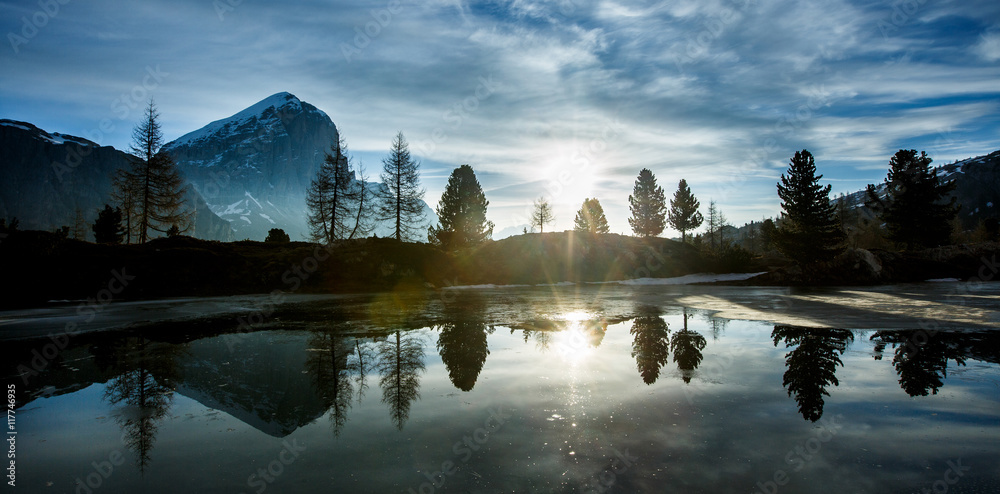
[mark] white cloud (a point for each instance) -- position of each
(989, 46)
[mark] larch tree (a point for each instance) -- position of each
(154, 185)
(915, 207)
(590, 218)
(683, 214)
(541, 214)
(810, 231)
(648, 206)
(461, 213)
(401, 193)
(332, 196)
(716, 222)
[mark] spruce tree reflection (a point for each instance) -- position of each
(650, 345)
(142, 389)
(400, 360)
(462, 341)
(921, 358)
(364, 361)
(328, 364)
(812, 365)
(687, 346)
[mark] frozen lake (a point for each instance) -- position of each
(525, 389)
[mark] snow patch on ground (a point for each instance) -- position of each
(689, 279)
(481, 287)
(266, 217)
(943, 280)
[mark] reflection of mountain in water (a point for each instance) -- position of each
(812, 365)
(259, 380)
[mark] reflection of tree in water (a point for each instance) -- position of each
(812, 365)
(330, 367)
(400, 359)
(718, 326)
(650, 346)
(921, 359)
(141, 389)
(463, 349)
(364, 361)
(687, 346)
(594, 331)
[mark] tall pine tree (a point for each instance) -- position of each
(648, 206)
(401, 193)
(915, 210)
(683, 215)
(810, 231)
(590, 218)
(152, 187)
(461, 212)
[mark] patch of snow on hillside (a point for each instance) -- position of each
(266, 217)
(232, 209)
(16, 126)
(689, 279)
(254, 200)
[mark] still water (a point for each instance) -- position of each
(517, 390)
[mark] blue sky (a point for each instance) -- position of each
(564, 99)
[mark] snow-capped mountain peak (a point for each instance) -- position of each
(273, 108)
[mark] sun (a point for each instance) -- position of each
(579, 339)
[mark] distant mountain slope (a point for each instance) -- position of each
(254, 167)
(47, 177)
(977, 188)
